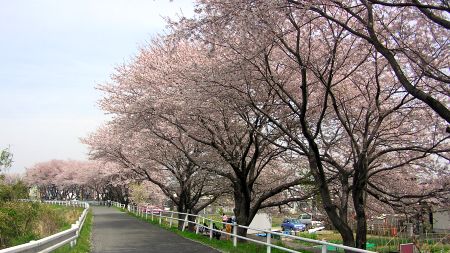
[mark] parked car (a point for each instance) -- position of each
(292, 224)
(154, 210)
(307, 219)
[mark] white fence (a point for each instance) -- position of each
(199, 220)
(55, 241)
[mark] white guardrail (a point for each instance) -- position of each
(200, 220)
(55, 241)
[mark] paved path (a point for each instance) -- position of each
(115, 232)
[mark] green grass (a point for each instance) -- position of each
(21, 222)
(221, 245)
(227, 245)
(277, 220)
(379, 242)
(83, 242)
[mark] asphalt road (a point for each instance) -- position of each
(115, 232)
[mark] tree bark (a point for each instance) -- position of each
(242, 208)
(331, 209)
(358, 191)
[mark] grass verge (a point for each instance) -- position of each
(221, 245)
(84, 240)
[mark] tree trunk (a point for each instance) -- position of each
(181, 219)
(345, 192)
(358, 191)
(191, 226)
(361, 231)
(331, 209)
(242, 208)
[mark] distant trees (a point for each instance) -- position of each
(70, 179)
(5, 159)
(12, 188)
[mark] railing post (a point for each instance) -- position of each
(171, 219)
(324, 248)
(184, 222)
(72, 243)
(146, 214)
(268, 239)
(197, 225)
(151, 213)
(235, 234)
(210, 229)
(160, 217)
(186, 217)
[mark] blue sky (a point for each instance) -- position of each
(52, 55)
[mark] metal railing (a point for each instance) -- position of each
(199, 222)
(55, 241)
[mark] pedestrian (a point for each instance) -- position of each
(224, 219)
(228, 228)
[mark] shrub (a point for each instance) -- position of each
(13, 190)
(17, 220)
(21, 222)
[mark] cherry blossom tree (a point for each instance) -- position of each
(43, 175)
(164, 92)
(252, 93)
(70, 179)
(155, 159)
(339, 104)
(411, 35)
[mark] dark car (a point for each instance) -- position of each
(292, 224)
